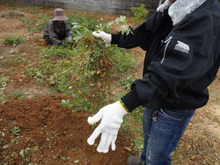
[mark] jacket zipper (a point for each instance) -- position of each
(167, 43)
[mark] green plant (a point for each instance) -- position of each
(16, 9)
(15, 131)
(19, 94)
(138, 143)
(26, 154)
(14, 40)
(21, 60)
(35, 73)
(122, 21)
(4, 80)
(79, 101)
(2, 97)
(139, 13)
(24, 20)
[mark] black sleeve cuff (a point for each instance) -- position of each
(131, 101)
(115, 38)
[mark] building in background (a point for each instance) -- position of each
(122, 7)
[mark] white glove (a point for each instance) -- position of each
(112, 117)
(69, 39)
(104, 36)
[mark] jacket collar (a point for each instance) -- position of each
(180, 8)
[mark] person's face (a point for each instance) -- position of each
(60, 22)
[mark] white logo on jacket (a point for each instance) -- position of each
(180, 46)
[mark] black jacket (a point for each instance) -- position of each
(181, 60)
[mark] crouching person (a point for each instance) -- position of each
(57, 29)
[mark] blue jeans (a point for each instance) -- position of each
(162, 131)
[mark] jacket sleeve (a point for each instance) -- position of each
(190, 52)
(141, 36)
(53, 36)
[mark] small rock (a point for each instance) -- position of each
(11, 52)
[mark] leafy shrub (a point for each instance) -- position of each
(139, 13)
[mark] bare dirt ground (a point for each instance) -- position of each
(51, 134)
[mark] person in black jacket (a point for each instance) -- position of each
(183, 56)
(57, 29)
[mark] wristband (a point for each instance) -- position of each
(123, 105)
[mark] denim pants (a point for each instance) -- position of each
(162, 131)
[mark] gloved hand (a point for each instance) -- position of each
(104, 36)
(112, 117)
(62, 44)
(70, 39)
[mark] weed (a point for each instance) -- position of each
(35, 148)
(24, 20)
(14, 40)
(19, 94)
(25, 154)
(15, 131)
(63, 158)
(138, 144)
(77, 102)
(35, 73)
(16, 9)
(2, 97)
(21, 60)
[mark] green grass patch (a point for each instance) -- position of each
(14, 40)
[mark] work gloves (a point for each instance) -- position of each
(62, 44)
(111, 117)
(107, 38)
(70, 39)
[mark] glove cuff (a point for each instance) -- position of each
(108, 38)
(123, 106)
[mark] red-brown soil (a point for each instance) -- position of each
(59, 134)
